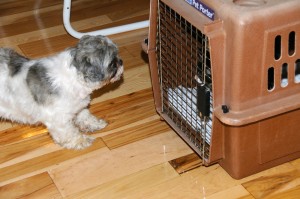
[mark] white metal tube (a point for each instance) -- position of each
(104, 32)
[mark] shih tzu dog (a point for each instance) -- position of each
(56, 90)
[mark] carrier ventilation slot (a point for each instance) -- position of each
(283, 68)
(297, 71)
(185, 77)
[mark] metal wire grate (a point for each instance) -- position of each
(185, 77)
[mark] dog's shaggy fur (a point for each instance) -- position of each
(56, 90)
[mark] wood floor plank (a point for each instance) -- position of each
(296, 163)
(199, 183)
(203, 182)
(125, 127)
(134, 80)
(28, 26)
(126, 109)
(120, 23)
(129, 185)
(13, 7)
(135, 133)
(45, 35)
(52, 46)
(119, 13)
(30, 154)
(127, 38)
(247, 197)
(106, 166)
(19, 133)
(108, 7)
(186, 163)
(123, 102)
(237, 192)
(9, 152)
(5, 125)
(79, 12)
(135, 49)
(23, 16)
(268, 186)
(41, 163)
(292, 193)
(132, 55)
(39, 187)
(60, 40)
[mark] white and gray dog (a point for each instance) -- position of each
(56, 90)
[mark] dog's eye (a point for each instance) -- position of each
(87, 59)
(114, 63)
(113, 67)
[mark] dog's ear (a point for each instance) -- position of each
(83, 40)
(92, 42)
(84, 37)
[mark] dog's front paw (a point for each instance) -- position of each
(92, 125)
(100, 124)
(78, 142)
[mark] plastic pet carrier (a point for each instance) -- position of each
(226, 77)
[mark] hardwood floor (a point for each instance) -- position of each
(137, 155)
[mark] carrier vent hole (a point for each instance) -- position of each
(271, 82)
(277, 47)
(284, 75)
(292, 43)
(297, 71)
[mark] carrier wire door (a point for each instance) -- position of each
(185, 76)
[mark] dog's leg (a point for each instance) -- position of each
(86, 122)
(68, 136)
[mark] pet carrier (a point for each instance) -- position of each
(226, 77)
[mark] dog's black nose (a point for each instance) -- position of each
(120, 62)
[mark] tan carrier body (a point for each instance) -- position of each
(226, 77)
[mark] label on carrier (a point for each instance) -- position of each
(201, 7)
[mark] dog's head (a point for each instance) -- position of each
(97, 59)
